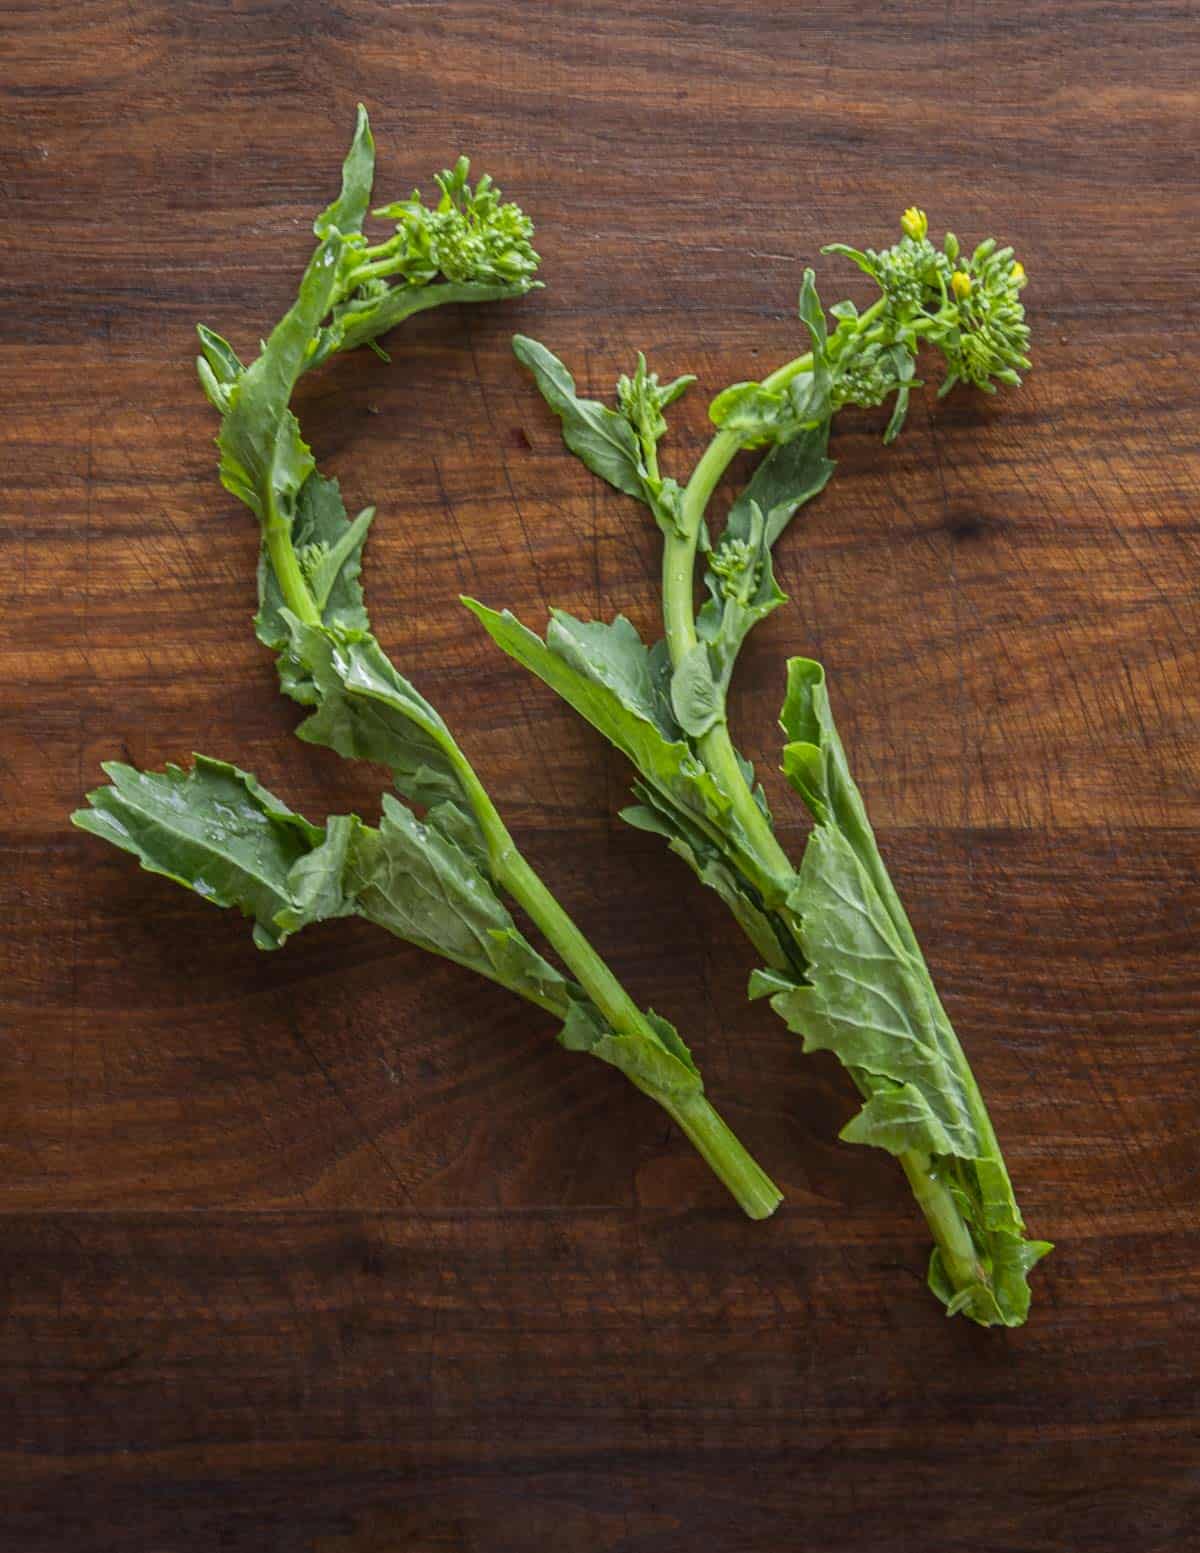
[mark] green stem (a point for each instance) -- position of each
(679, 616)
(513, 873)
(718, 1146)
(953, 1238)
(278, 533)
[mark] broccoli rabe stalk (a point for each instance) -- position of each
(842, 965)
(436, 880)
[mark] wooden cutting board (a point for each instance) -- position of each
(335, 1249)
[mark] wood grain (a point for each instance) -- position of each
(335, 1250)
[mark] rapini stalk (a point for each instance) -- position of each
(842, 965)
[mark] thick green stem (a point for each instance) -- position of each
(513, 874)
(951, 1234)
(756, 1194)
(292, 585)
(718, 1146)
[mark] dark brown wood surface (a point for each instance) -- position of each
(335, 1249)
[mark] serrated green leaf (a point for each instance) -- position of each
(868, 997)
(662, 1066)
(317, 881)
(898, 1118)
(415, 881)
(367, 710)
(869, 1000)
(614, 655)
(214, 830)
(669, 766)
(218, 832)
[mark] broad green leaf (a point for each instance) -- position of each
(215, 830)
(416, 882)
(680, 784)
(614, 655)
(668, 765)
(867, 996)
(317, 882)
(898, 1118)
(869, 1000)
(367, 710)
(458, 823)
(784, 480)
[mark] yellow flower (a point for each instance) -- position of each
(1017, 274)
(960, 284)
(914, 223)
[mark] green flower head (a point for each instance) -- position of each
(989, 338)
